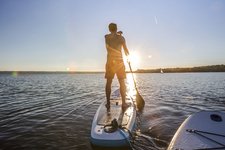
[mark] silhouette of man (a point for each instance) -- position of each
(115, 65)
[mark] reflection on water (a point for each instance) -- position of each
(55, 111)
(130, 84)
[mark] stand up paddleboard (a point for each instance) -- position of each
(110, 129)
(203, 130)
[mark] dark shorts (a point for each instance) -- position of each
(115, 67)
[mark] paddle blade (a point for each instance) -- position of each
(140, 101)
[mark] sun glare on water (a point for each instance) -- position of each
(130, 84)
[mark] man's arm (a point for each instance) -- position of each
(125, 48)
(106, 43)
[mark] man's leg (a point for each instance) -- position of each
(122, 90)
(108, 92)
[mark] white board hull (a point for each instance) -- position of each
(190, 134)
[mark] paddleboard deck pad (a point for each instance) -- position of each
(203, 130)
(100, 135)
(114, 113)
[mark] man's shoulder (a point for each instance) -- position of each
(122, 37)
(107, 35)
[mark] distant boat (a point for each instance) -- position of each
(161, 71)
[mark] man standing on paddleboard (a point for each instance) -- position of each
(115, 65)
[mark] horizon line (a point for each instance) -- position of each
(96, 71)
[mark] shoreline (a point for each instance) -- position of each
(199, 69)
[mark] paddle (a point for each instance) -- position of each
(139, 100)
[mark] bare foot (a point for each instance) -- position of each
(107, 107)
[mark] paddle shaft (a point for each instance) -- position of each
(133, 76)
(139, 100)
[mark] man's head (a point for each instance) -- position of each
(112, 27)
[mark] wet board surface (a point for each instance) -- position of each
(116, 112)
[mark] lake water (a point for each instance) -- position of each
(55, 111)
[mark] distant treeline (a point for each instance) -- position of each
(213, 68)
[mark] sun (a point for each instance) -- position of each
(67, 69)
(134, 59)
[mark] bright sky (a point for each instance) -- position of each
(60, 35)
